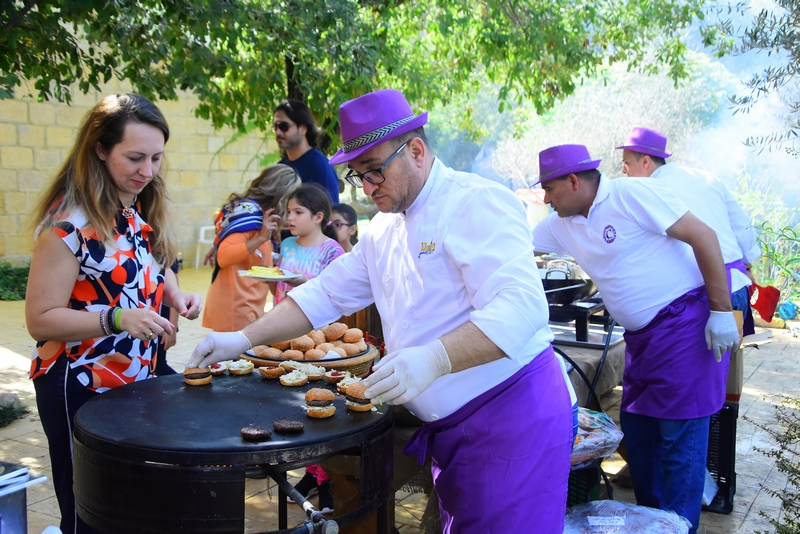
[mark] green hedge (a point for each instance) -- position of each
(13, 281)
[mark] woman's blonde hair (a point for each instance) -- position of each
(271, 188)
(84, 181)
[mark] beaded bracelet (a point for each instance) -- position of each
(103, 323)
(117, 320)
(109, 320)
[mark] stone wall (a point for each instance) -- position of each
(35, 138)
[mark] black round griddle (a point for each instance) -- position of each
(163, 456)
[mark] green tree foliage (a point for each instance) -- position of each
(775, 32)
(243, 56)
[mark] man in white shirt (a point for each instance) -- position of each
(449, 264)
(673, 301)
(644, 155)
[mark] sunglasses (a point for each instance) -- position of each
(282, 126)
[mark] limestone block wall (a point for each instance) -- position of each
(35, 138)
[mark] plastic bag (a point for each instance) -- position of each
(611, 516)
(597, 437)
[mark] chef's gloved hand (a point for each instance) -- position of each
(722, 334)
(219, 346)
(402, 375)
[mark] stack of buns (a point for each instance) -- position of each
(315, 345)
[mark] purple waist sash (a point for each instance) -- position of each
(739, 266)
(669, 371)
(421, 442)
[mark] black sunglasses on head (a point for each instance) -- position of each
(281, 125)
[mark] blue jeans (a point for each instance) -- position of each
(667, 461)
(740, 299)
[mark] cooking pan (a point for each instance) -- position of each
(565, 282)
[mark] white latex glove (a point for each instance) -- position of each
(402, 375)
(722, 334)
(219, 346)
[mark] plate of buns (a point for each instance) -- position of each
(335, 346)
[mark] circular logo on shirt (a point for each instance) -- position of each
(609, 234)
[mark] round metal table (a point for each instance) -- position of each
(159, 456)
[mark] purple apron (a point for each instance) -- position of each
(669, 372)
(501, 461)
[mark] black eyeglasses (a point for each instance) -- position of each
(338, 224)
(281, 125)
(357, 180)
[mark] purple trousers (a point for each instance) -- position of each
(501, 462)
(669, 372)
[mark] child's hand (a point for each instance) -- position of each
(294, 282)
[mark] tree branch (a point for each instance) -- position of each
(16, 20)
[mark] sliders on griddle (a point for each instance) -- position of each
(197, 376)
(319, 403)
(356, 400)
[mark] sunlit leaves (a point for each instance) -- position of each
(241, 57)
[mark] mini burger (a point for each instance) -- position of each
(319, 403)
(197, 376)
(240, 367)
(356, 400)
(218, 368)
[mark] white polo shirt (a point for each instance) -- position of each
(624, 248)
(461, 252)
(709, 199)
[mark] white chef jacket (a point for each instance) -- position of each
(709, 199)
(624, 248)
(461, 252)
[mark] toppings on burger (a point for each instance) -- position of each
(356, 400)
(319, 403)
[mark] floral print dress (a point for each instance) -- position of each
(125, 275)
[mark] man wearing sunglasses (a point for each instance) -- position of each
(296, 134)
(449, 264)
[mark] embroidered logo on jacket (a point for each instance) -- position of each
(609, 234)
(426, 248)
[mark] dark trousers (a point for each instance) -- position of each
(667, 460)
(58, 397)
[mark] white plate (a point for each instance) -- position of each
(287, 276)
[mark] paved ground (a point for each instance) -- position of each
(772, 369)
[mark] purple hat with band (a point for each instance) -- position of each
(372, 119)
(562, 160)
(647, 141)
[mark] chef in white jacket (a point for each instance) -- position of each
(449, 264)
(644, 155)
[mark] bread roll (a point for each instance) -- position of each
(318, 336)
(334, 331)
(353, 335)
(315, 354)
(362, 346)
(350, 349)
(292, 355)
(302, 343)
(340, 351)
(325, 347)
(283, 345)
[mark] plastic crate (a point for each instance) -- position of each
(584, 485)
(721, 461)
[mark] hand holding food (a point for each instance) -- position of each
(402, 375)
(219, 346)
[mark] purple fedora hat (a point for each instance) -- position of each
(372, 119)
(647, 141)
(561, 160)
